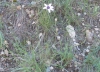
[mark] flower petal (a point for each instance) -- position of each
(44, 7)
(50, 4)
(52, 9)
(49, 10)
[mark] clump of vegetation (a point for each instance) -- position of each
(91, 63)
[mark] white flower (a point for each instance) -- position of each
(48, 7)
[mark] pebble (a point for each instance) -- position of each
(83, 24)
(79, 14)
(58, 37)
(28, 42)
(85, 13)
(89, 36)
(96, 29)
(40, 35)
(87, 50)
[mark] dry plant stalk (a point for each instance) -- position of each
(20, 28)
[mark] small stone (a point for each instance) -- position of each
(23, 6)
(2, 53)
(19, 7)
(76, 44)
(19, 25)
(58, 37)
(71, 31)
(83, 24)
(63, 70)
(79, 14)
(5, 42)
(98, 35)
(96, 26)
(40, 35)
(82, 19)
(89, 36)
(6, 52)
(88, 47)
(76, 56)
(80, 57)
(99, 19)
(96, 29)
(75, 63)
(2, 59)
(53, 46)
(55, 19)
(97, 32)
(51, 67)
(87, 50)
(30, 15)
(32, 12)
(83, 54)
(57, 29)
(33, 22)
(10, 27)
(1, 69)
(27, 11)
(85, 13)
(28, 42)
(48, 62)
(33, 3)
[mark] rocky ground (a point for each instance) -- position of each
(19, 22)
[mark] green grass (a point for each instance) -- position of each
(39, 61)
(64, 13)
(40, 55)
(92, 61)
(45, 20)
(1, 24)
(1, 40)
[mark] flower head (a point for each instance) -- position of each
(48, 7)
